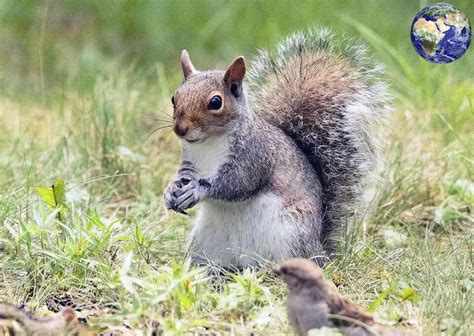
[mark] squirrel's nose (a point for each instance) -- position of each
(181, 130)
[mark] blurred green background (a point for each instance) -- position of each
(52, 42)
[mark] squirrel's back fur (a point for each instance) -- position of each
(327, 96)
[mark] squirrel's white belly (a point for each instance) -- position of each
(236, 234)
(207, 156)
(239, 234)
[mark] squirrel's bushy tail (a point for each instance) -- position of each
(328, 97)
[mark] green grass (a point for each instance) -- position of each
(82, 86)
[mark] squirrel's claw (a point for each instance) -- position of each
(182, 194)
(188, 199)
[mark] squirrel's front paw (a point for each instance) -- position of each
(183, 194)
(188, 199)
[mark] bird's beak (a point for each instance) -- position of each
(277, 270)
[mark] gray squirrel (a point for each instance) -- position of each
(278, 162)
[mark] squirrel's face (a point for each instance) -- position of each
(206, 102)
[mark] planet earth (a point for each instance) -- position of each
(441, 33)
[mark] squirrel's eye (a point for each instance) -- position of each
(172, 100)
(215, 103)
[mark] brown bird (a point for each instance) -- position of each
(314, 302)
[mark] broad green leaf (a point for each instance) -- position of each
(59, 192)
(53, 196)
(185, 301)
(47, 196)
(378, 300)
(409, 294)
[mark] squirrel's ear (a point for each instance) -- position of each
(186, 64)
(234, 76)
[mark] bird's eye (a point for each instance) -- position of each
(215, 103)
(172, 101)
